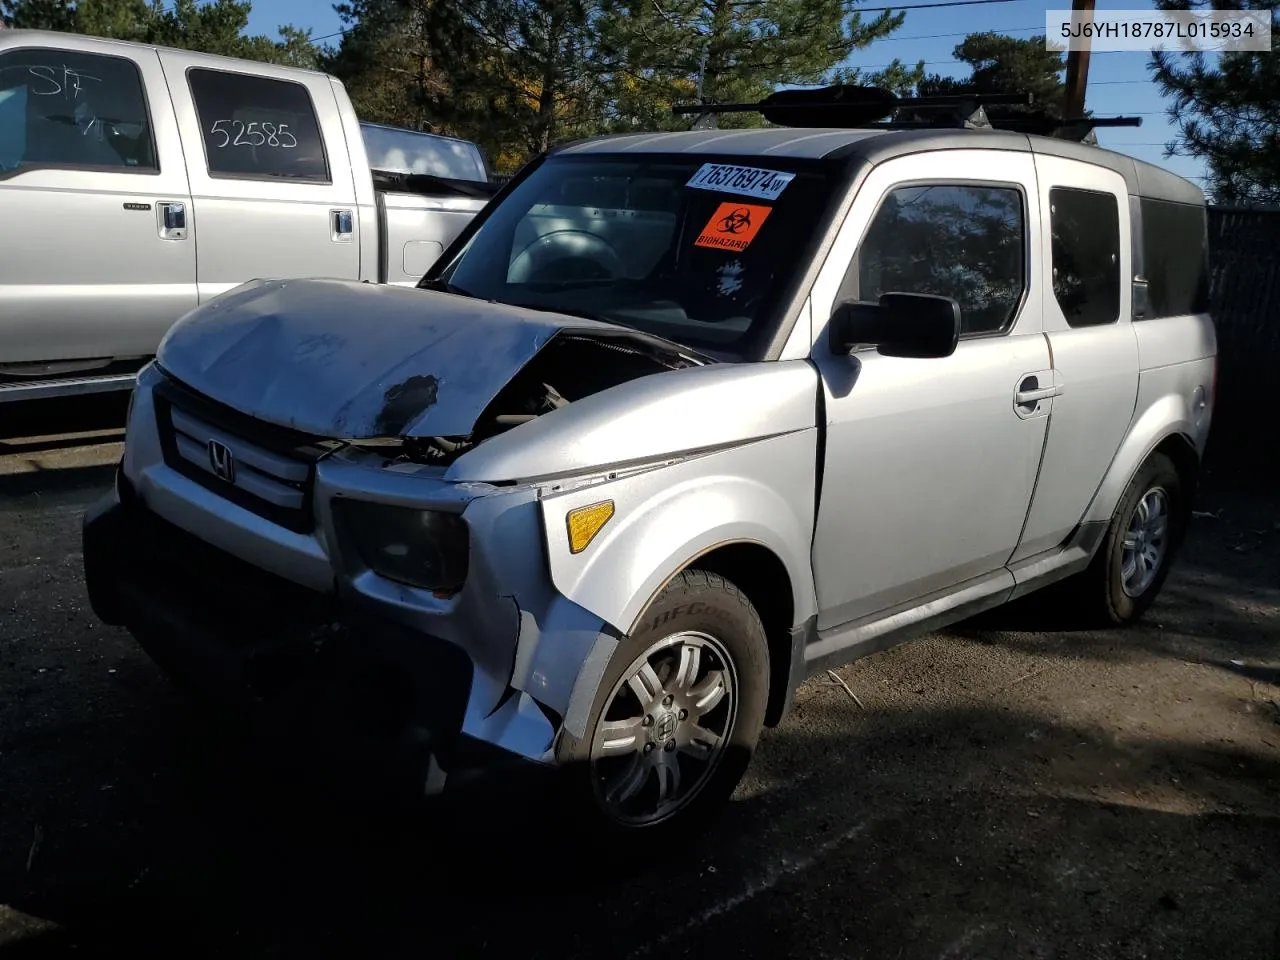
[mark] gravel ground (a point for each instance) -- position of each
(1007, 790)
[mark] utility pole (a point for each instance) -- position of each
(705, 121)
(1077, 66)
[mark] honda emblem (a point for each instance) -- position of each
(223, 461)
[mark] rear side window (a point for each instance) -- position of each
(258, 128)
(76, 111)
(1086, 255)
(966, 242)
(1175, 258)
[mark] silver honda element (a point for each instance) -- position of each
(678, 421)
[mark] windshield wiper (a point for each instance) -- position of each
(568, 312)
(444, 286)
(652, 339)
(458, 291)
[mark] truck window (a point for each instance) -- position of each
(393, 150)
(258, 128)
(73, 111)
(1086, 255)
(1175, 258)
(967, 242)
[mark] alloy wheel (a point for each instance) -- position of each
(1146, 542)
(664, 728)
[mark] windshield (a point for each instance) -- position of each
(700, 253)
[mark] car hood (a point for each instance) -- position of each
(354, 361)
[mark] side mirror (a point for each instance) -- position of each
(916, 325)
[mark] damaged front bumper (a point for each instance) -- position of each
(332, 669)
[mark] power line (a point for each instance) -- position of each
(174, 6)
(912, 36)
(962, 33)
(917, 6)
(927, 63)
(1039, 28)
(960, 63)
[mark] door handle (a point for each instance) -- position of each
(343, 225)
(1028, 394)
(1025, 398)
(173, 220)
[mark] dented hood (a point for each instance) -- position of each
(353, 360)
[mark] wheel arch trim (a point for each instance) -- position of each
(1168, 419)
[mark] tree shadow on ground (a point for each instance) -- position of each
(897, 833)
(1220, 603)
(61, 480)
(992, 822)
(43, 418)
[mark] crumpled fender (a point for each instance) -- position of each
(759, 492)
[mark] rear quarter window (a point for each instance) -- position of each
(1175, 258)
(258, 128)
(1086, 255)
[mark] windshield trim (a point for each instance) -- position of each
(790, 299)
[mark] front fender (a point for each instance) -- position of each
(760, 492)
(1169, 405)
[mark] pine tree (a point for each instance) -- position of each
(1228, 113)
(213, 27)
(1004, 64)
(736, 50)
(513, 75)
(519, 75)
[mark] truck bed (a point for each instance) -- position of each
(418, 217)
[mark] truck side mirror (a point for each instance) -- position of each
(918, 325)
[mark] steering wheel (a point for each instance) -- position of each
(563, 256)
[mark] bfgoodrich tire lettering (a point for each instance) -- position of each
(678, 713)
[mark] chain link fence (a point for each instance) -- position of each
(1244, 264)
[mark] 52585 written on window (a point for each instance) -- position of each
(258, 128)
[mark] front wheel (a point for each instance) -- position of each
(678, 714)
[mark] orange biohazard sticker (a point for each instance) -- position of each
(733, 226)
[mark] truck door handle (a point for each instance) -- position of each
(343, 224)
(173, 220)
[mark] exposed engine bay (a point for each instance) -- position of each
(570, 367)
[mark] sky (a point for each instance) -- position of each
(1119, 83)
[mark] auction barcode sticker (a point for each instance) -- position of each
(745, 181)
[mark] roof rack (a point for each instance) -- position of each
(844, 105)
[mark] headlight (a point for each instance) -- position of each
(422, 548)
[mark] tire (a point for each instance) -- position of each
(696, 610)
(1110, 594)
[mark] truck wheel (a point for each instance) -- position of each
(1145, 533)
(678, 714)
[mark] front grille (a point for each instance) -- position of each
(195, 606)
(242, 602)
(268, 470)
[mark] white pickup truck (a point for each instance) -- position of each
(139, 182)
